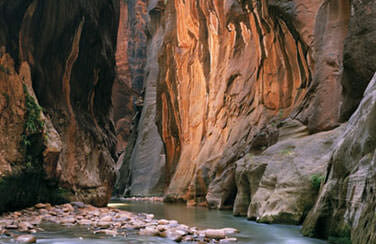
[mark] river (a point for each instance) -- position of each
(250, 232)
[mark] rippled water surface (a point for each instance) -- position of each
(250, 232)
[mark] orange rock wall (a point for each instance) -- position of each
(122, 89)
(227, 68)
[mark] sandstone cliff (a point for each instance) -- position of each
(345, 207)
(346, 202)
(220, 72)
(243, 99)
(59, 55)
(226, 103)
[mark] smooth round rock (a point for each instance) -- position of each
(26, 239)
(228, 240)
(215, 234)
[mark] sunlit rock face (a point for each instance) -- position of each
(227, 68)
(64, 52)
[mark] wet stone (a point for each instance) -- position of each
(11, 227)
(148, 231)
(108, 221)
(78, 204)
(42, 205)
(228, 240)
(26, 239)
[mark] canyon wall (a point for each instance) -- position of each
(243, 107)
(57, 70)
(345, 206)
(224, 70)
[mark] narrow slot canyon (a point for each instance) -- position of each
(163, 121)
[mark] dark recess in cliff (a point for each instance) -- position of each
(70, 47)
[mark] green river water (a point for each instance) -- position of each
(250, 232)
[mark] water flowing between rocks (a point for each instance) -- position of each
(250, 232)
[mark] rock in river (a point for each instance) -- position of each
(26, 239)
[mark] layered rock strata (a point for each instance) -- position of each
(67, 59)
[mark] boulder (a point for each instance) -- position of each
(26, 239)
(175, 234)
(276, 184)
(215, 233)
(149, 231)
(107, 218)
(228, 240)
(78, 204)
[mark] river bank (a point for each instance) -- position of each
(22, 225)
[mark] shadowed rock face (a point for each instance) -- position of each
(122, 91)
(141, 164)
(69, 48)
(359, 55)
(347, 200)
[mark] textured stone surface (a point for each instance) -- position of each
(148, 159)
(141, 165)
(347, 200)
(122, 92)
(219, 72)
(71, 55)
(322, 104)
(12, 111)
(275, 186)
(359, 54)
(227, 68)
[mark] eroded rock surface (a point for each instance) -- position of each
(275, 186)
(219, 72)
(359, 54)
(346, 203)
(71, 58)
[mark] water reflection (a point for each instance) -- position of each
(250, 232)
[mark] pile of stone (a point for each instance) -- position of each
(107, 221)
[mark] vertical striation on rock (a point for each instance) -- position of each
(346, 199)
(322, 105)
(135, 159)
(346, 202)
(275, 186)
(137, 10)
(215, 73)
(226, 68)
(359, 55)
(122, 92)
(71, 55)
(222, 79)
(148, 159)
